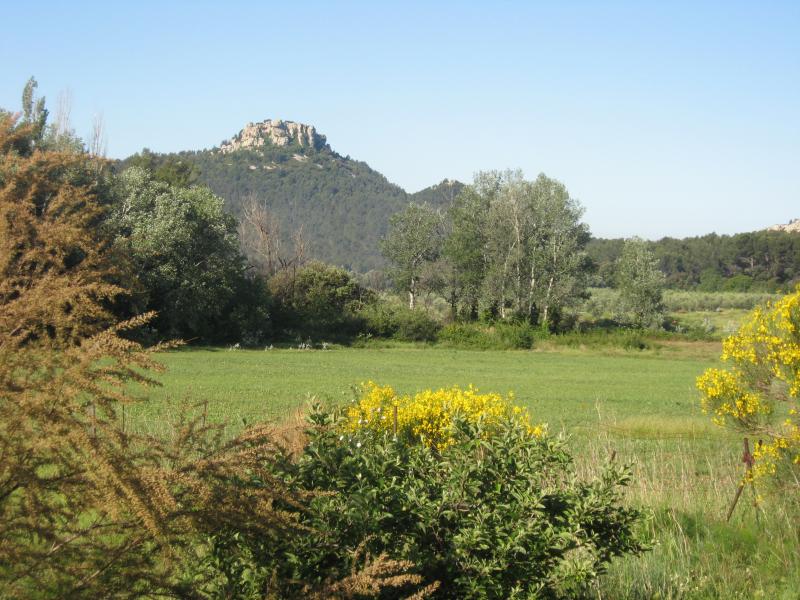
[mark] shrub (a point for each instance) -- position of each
(496, 512)
(399, 322)
(318, 300)
(499, 336)
(428, 416)
(627, 339)
(759, 391)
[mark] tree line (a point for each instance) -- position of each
(758, 261)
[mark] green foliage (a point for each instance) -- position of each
(342, 204)
(318, 301)
(465, 250)
(34, 112)
(169, 169)
(490, 516)
(516, 248)
(185, 253)
(641, 285)
(440, 195)
(497, 336)
(768, 261)
(388, 320)
(414, 239)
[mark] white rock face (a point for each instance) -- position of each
(793, 226)
(276, 133)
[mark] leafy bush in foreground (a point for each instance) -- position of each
(495, 513)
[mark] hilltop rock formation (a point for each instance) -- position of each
(792, 226)
(342, 205)
(276, 133)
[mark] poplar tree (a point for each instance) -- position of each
(641, 285)
(414, 240)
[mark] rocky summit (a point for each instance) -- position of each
(276, 133)
(792, 226)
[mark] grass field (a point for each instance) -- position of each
(570, 390)
(640, 405)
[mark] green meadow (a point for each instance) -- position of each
(636, 407)
(571, 390)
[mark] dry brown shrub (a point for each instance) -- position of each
(372, 577)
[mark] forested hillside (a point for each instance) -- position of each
(753, 261)
(342, 205)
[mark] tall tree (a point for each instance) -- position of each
(262, 242)
(465, 250)
(184, 248)
(641, 284)
(34, 112)
(414, 239)
(558, 251)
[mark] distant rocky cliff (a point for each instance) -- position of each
(342, 205)
(792, 226)
(276, 133)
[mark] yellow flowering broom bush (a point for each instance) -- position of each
(473, 497)
(758, 392)
(429, 415)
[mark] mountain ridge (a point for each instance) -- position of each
(342, 205)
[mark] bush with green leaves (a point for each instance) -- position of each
(182, 248)
(318, 301)
(497, 336)
(499, 513)
(385, 320)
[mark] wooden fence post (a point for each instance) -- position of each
(748, 460)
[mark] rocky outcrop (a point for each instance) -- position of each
(792, 226)
(275, 133)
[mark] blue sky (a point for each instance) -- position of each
(662, 118)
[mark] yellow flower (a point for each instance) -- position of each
(430, 414)
(765, 364)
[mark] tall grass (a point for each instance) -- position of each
(686, 474)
